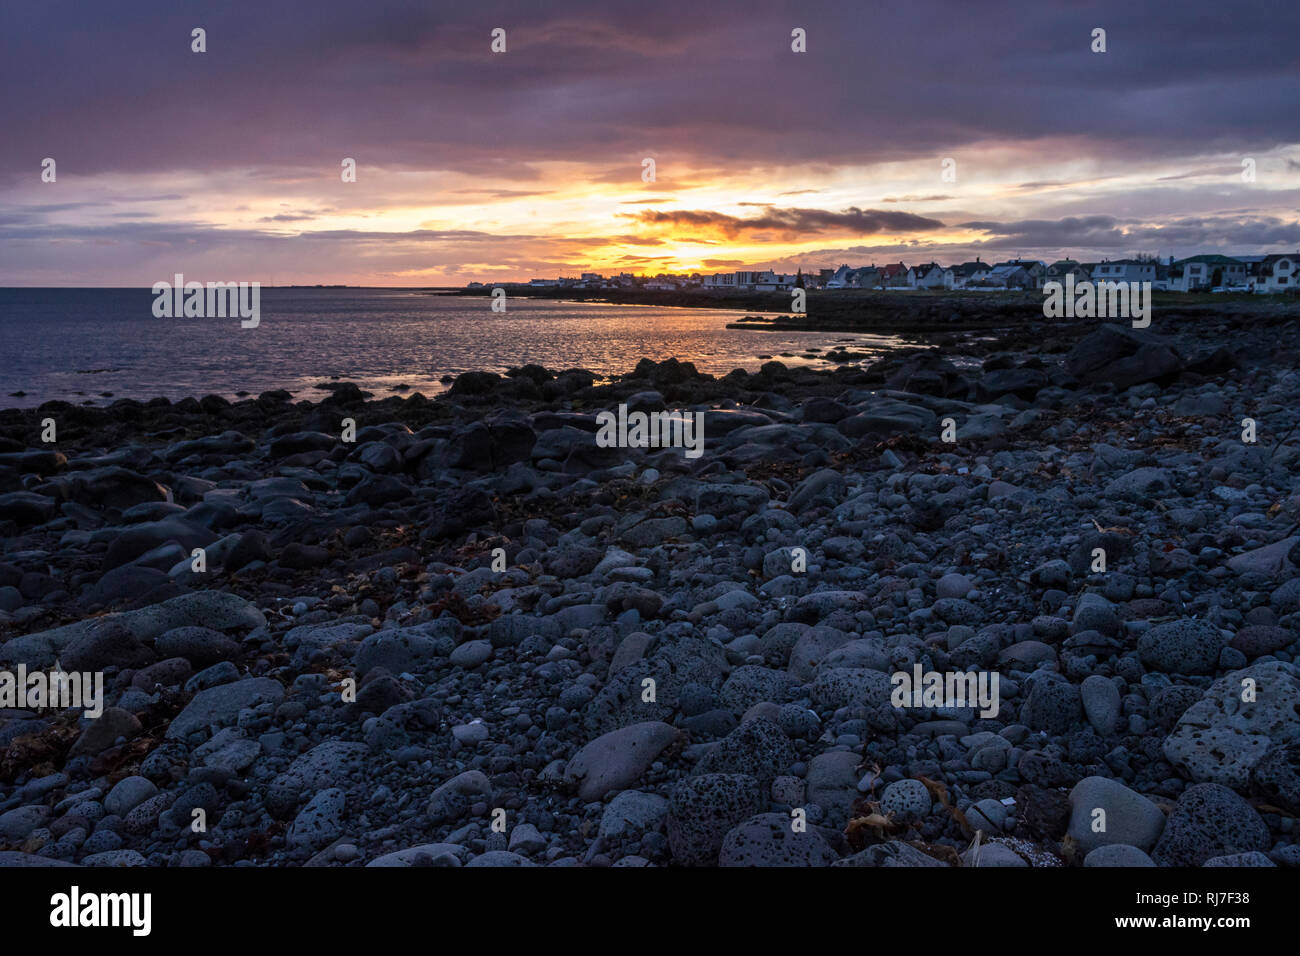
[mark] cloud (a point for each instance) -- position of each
(787, 224)
(588, 89)
(1207, 233)
(416, 86)
(917, 198)
(1044, 232)
(1202, 173)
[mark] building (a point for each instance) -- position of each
(770, 281)
(930, 275)
(1005, 275)
(1163, 270)
(840, 278)
(719, 280)
(1279, 273)
(894, 276)
(1207, 272)
(1034, 272)
(1058, 271)
(868, 277)
(1034, 268)
(969, 272)
(1124, 270)
(767, 281)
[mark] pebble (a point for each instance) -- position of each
(656, 676)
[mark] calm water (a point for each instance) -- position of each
(76, 344)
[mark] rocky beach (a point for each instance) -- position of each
(457, 631)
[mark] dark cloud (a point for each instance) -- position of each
(414, 85)
(1107, 232)
(789, 223)
(1084, 230)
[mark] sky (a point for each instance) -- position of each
(904, 132)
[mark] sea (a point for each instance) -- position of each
(94, 346)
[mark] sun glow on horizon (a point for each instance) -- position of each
(554, 219)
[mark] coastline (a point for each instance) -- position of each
(890, 312)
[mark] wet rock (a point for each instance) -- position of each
(1123, 357)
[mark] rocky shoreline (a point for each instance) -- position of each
(565, 654)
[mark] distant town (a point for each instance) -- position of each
(1263, 274)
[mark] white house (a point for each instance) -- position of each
(1206, 272)
(1280, 273)
(770, 281)
(763, 281)
(930, 275)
